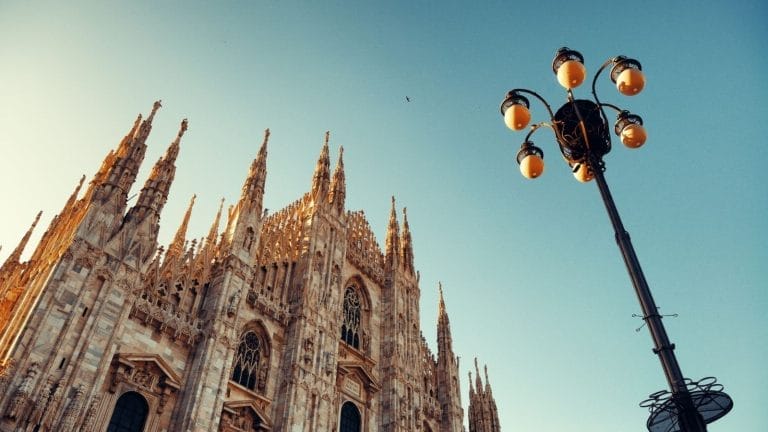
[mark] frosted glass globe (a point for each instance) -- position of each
(633, 136)
(516, 117)
(571, 74)
(583, 174)
(630, 81)
(532, 166)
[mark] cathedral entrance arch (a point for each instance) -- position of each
(130, 413)
(350, 418)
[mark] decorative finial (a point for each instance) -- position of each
(184, 127)
(327, 137)
(155, 106)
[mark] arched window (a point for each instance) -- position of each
(350, 418)
(350, 327)
(247, 359)
(130, 413)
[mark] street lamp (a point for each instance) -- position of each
(582, 132)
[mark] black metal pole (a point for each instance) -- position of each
(689, 418)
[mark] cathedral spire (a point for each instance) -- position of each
(449, 394)
(213, 233)
(154, 194)
(406, 245)
(444, 340)
(120, 168)
(392, 244)
(338, 185)
(244, 219)
(123, 147)
(72, 198)
(15, 256)
(253, 188)
(483, 415)
(146, 126)
(321, 177)
(209, 247)
(487, 381)
(478, 381)
(176, 248)
(441, 304)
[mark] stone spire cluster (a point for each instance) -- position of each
(483, 415)
(234, 330)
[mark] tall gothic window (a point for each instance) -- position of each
(130, 413)
(350, 327)
(350, 418)
(247, 359)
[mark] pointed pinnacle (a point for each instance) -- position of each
(266, 139)
(213, 233)
(184, 127)
(487, 381)
(155, 106)
(177, 247)
(15, 255)
(478, 381)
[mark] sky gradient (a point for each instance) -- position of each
(533, 280)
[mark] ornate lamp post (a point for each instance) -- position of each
(581, 130)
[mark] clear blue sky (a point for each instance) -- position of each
(533, 280)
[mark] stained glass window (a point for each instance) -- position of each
(247, 359)
(350, 327)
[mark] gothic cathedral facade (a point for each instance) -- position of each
(291, 321)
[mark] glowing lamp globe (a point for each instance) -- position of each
(583, 173)
(630, 81)
(517, 117)
(633, 135)
(532, 166)
(571, 74)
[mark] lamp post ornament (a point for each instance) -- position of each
(582, 133)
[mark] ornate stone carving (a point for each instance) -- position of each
(73, 410)
(234, 303)
(23, 393)
(268, 305)
(42, 402)
(90, 415)
(147, 372)
(362, 249)
(156, 311)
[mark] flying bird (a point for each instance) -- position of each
(407, 99)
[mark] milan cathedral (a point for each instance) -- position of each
(292, 321)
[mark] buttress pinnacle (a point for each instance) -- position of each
(155, 191)
(322, 177)
(406, 245)
(392, 242)
(15, 256)
(253, 188)
(176, 248)
(338, 184)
